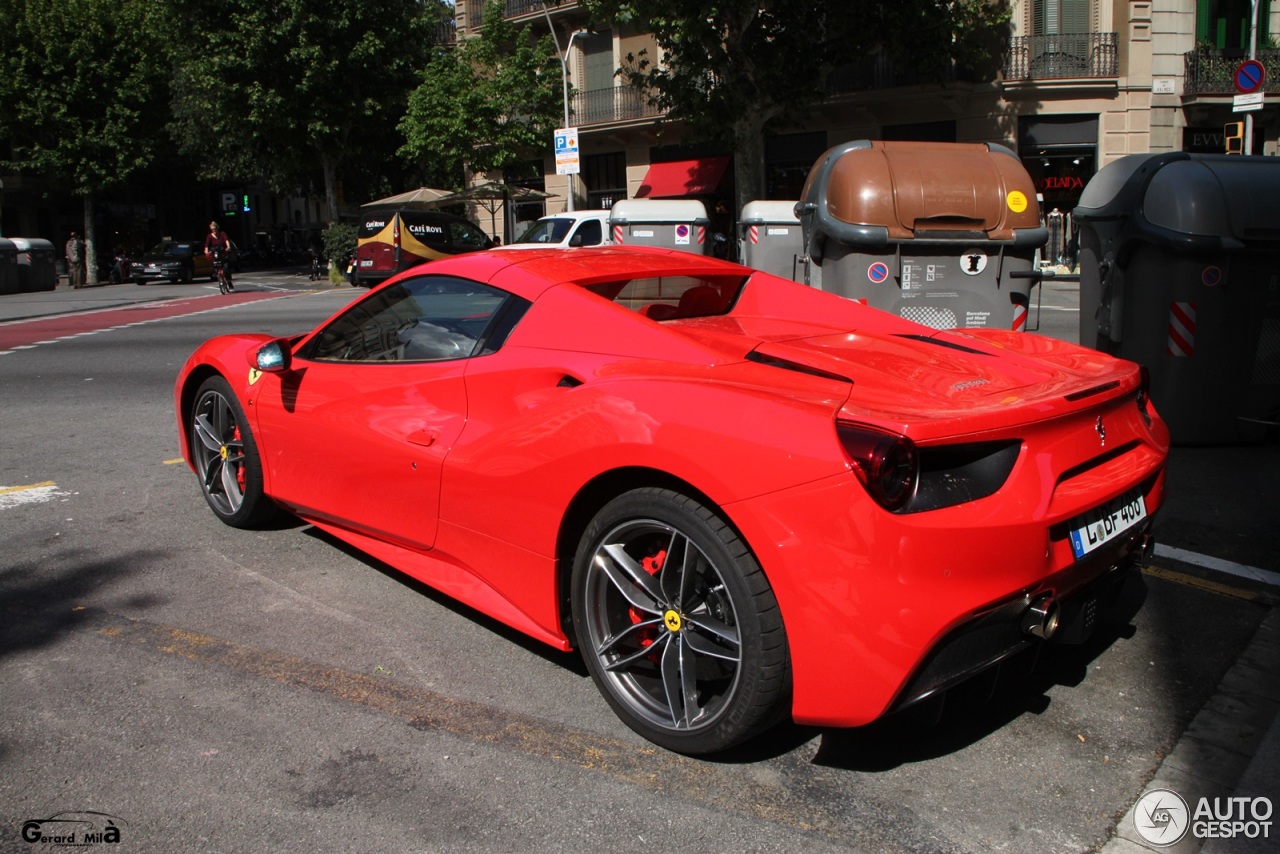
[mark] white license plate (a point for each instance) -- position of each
(1113, 519)
(367, 263)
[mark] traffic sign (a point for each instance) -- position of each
(1247, 102)
(566, 149)
(1249, 76)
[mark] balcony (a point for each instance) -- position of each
(520, 8)
(1063, 56)
(610, 105)
(447, 32)
(1211, 71)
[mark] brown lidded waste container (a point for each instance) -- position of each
(944, 234)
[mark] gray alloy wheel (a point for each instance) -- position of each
(226, 458)
(678, 624)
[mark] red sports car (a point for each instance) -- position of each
(739, 497)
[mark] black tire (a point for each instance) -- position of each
(226, 458)
(659, 582)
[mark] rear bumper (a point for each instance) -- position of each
(882, 611)
(989, 638)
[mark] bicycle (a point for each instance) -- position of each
(220, 267)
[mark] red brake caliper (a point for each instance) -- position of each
(652, 565)
(240, 468)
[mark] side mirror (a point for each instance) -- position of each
(274, 357)
(576, 240)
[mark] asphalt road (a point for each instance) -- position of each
(221, 690)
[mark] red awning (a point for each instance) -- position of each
(683, 178)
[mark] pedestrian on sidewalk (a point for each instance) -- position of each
(75, 261)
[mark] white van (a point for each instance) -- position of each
(566, 230)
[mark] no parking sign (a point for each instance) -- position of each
(878, 272)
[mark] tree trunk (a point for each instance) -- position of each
(330, 166)
(90, 241)
(748, 160)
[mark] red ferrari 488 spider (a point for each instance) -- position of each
(739, 497)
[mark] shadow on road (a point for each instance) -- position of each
(38, 606)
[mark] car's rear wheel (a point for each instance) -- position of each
(226, 458)
(678, 624)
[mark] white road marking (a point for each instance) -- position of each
(34, 493)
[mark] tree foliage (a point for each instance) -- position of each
(732, 69)
(80, 91)
(286, 88)
(486, 105)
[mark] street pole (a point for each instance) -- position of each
(1253, 54)
(564, 84)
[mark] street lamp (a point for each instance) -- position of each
(564, 82)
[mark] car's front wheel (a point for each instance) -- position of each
(678, 624)
(226, 458)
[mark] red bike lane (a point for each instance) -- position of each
(24, 334)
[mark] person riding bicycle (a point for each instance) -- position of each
(218, 247)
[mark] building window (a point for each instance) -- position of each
(944, 131)
(787, 161)
(1054, 17)
(529, 174)
(606, 178)
(1224, 24)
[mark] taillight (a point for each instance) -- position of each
(887, 464)
(395, 233)
(1144, 393)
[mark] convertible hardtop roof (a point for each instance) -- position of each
(530, 273)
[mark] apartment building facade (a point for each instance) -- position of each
(1082, 83)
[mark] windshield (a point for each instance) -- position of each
(169, 248)
(547, 231)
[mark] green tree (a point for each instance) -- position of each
(736, 68)
(81, 85)
(486, 105)
(282, 89)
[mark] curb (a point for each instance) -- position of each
(1232, 747)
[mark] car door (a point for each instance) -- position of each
(356, 433)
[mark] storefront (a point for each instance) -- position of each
(1061, 155)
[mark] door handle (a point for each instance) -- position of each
(426, 438)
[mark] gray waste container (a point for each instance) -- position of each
(670, 223)
(944, 234)
(37, 270)
(8, 267)
(1180, 271)
(770, 238)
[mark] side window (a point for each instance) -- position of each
(589, 233)
(467, 236)
(425, 319)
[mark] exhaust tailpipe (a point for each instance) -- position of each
(1041, 617)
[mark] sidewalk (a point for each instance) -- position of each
(66, 300)
(1230, 749)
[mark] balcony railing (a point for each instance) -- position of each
(612, 104)
(1063, 55)
(882, 72)
(447, 32)
(517, 8)
(1211, 71)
